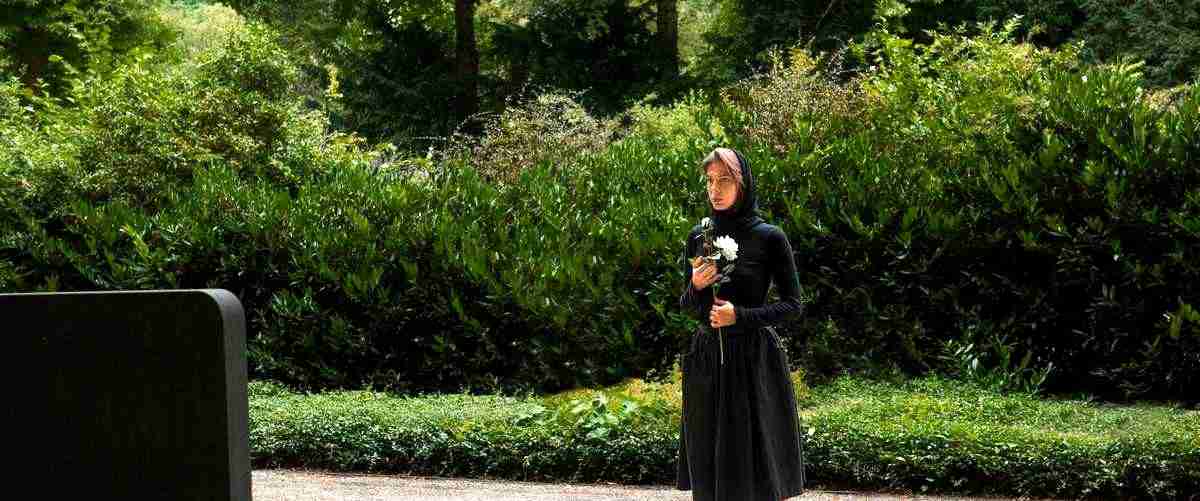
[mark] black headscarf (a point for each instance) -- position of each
(743, 214)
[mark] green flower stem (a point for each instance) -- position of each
(720, 334)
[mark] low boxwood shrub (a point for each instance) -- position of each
(928, 435)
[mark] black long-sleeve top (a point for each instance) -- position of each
(764, 256)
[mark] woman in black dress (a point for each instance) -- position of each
(740, 437)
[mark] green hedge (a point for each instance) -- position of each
(927, 435)
(980, 194)
(938, 436)
(971, 202)
(458, 435)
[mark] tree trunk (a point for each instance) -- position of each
(668, 37)
(33, 52)
(518, 74)
(466, 58)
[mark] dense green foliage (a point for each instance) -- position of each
(395, 61)
(740, 38)
(602, 46)
(976, 201)
(353, 272)
(937, 435)
(985, 202)
(1044, 22)
(581, 439)
(971, 205)
(928, 435)
(1024, 199)
(1164, 35)
(390, 63)
(47, 42)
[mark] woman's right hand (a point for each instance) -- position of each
(704, 275)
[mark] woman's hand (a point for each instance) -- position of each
(704, 275)
(721, 314)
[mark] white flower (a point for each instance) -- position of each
(706, 223)
(727, 246)
(1085, 79)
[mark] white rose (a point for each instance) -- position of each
(727, 246)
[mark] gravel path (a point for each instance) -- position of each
(291, 485)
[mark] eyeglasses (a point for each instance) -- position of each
(720, 183)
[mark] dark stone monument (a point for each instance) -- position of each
(129, 395)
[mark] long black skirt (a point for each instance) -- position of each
(740, 434)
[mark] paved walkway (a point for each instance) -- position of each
(278, 485)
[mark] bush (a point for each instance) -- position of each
(969, 191)
(251, 61)
(936, 436)
(455, 435)
(146, 128)
(784, 107)
(383, 70)
(551, 128)
(985, 187)
(1048, 23)
(740, 40)
(1166, 38)
(200, 27)
(50, 43)
(927, 435)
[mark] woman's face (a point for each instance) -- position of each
(722, 187)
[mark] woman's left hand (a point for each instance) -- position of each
(721, 314)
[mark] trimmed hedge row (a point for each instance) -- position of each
(935, 436)
(927, 435)
(464, 436)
